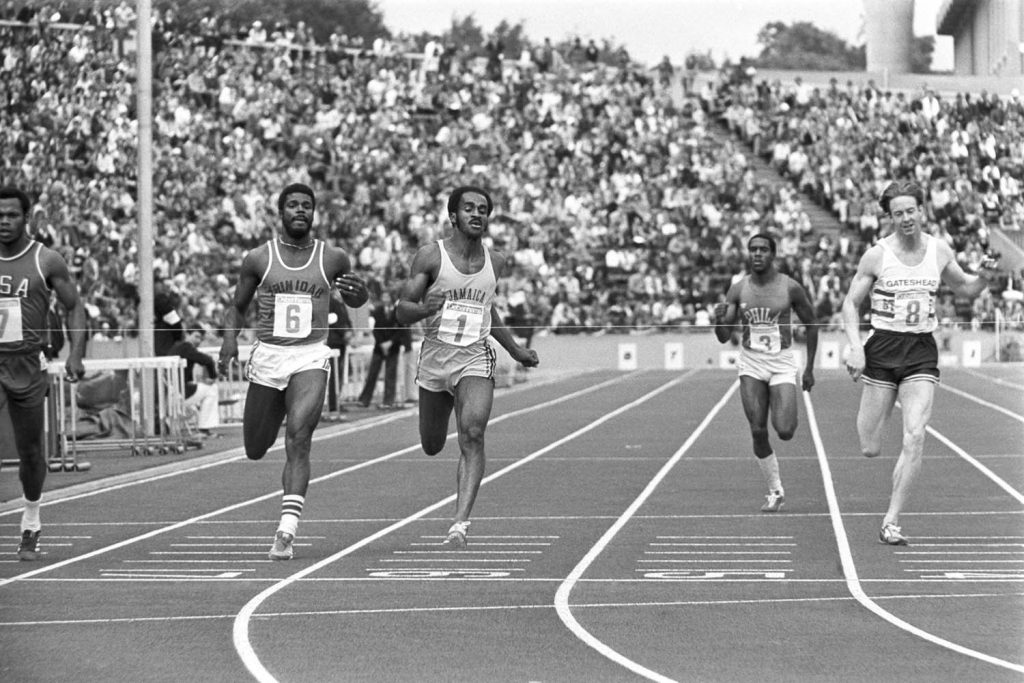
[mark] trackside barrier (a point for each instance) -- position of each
(149, 411)
(232, 385)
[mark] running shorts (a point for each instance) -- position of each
(273, 366)
(442, 366)
(22, 380)
(891, 358)
(774, 368)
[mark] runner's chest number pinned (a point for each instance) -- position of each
(293, 315)
(10, 320)
(461, 322)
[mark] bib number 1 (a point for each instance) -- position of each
(461, 323)
(10, 321)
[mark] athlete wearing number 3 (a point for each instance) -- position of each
(899, 359)
(289, 364)
(451, 286)
(762, 303)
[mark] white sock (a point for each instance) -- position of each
(770, 469)
(291, 510)
(30, 517)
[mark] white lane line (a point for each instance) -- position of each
(1017, 495)
(982, 402)
(564, 590)
(240, 630)
(231, 508)
(853, 583)
(995, 380)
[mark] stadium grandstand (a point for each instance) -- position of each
(624, 201)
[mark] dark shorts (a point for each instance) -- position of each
(22, 380)
(892, 358)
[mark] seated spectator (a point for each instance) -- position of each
(201, 393)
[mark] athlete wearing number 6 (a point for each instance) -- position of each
(899, 359)
(291, 278)
(451, 286)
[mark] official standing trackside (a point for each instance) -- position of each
(762, 303)
(290, 277)
(451, 287)
(29, 274)
(899, 358)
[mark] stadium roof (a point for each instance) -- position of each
(952, 14)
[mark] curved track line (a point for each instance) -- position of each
(236, 506)
(562, 594)
(850, 569)
(240, 631)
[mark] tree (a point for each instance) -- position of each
(804, 46)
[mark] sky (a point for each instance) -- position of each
(650, 29)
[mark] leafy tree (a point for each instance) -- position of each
(804, 46)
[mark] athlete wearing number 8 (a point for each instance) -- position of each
(291, 278)
(451, 286)
(899, 359)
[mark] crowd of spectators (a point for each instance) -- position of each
(841, 145)
(625, 210)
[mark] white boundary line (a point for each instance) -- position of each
(1017, 495)
(240, 630)
(850, 569)
(236, 506)
(983, 402)
(562, 594)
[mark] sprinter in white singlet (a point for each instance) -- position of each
(451, 288)
(902, 273)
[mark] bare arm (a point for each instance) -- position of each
(338, 267)
(860, 286)
(805, 311)
(958, 280)
(67, 294)
(413, 303)
(234, 316)
(503, 335)
(725, 314)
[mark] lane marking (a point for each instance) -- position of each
(996, 380)
(1017, 495)
(564, 590)
(853, 582)
(275, 494)
(983, 402)
(240, 629)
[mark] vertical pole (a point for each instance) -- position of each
(144, 65)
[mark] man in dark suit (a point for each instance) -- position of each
(389, 338)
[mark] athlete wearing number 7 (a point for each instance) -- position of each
(451, 286)
(291, 278)
(899, 359)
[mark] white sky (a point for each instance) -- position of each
(649, 29)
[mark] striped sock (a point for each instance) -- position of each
(291, 510)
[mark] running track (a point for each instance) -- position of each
(616, 538)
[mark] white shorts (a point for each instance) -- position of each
(273, 366)
(442, 366)
(774, 368)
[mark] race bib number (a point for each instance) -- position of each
(913, 308)
(10, 320)
(293, 315)
(766, 338)
(461, 323)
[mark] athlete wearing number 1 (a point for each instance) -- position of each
(289, 364)
(899, 359)
(451, 287)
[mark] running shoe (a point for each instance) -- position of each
(457, 535)
(773, 501)
(28, 549)
(282, 548)
(891, 535)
